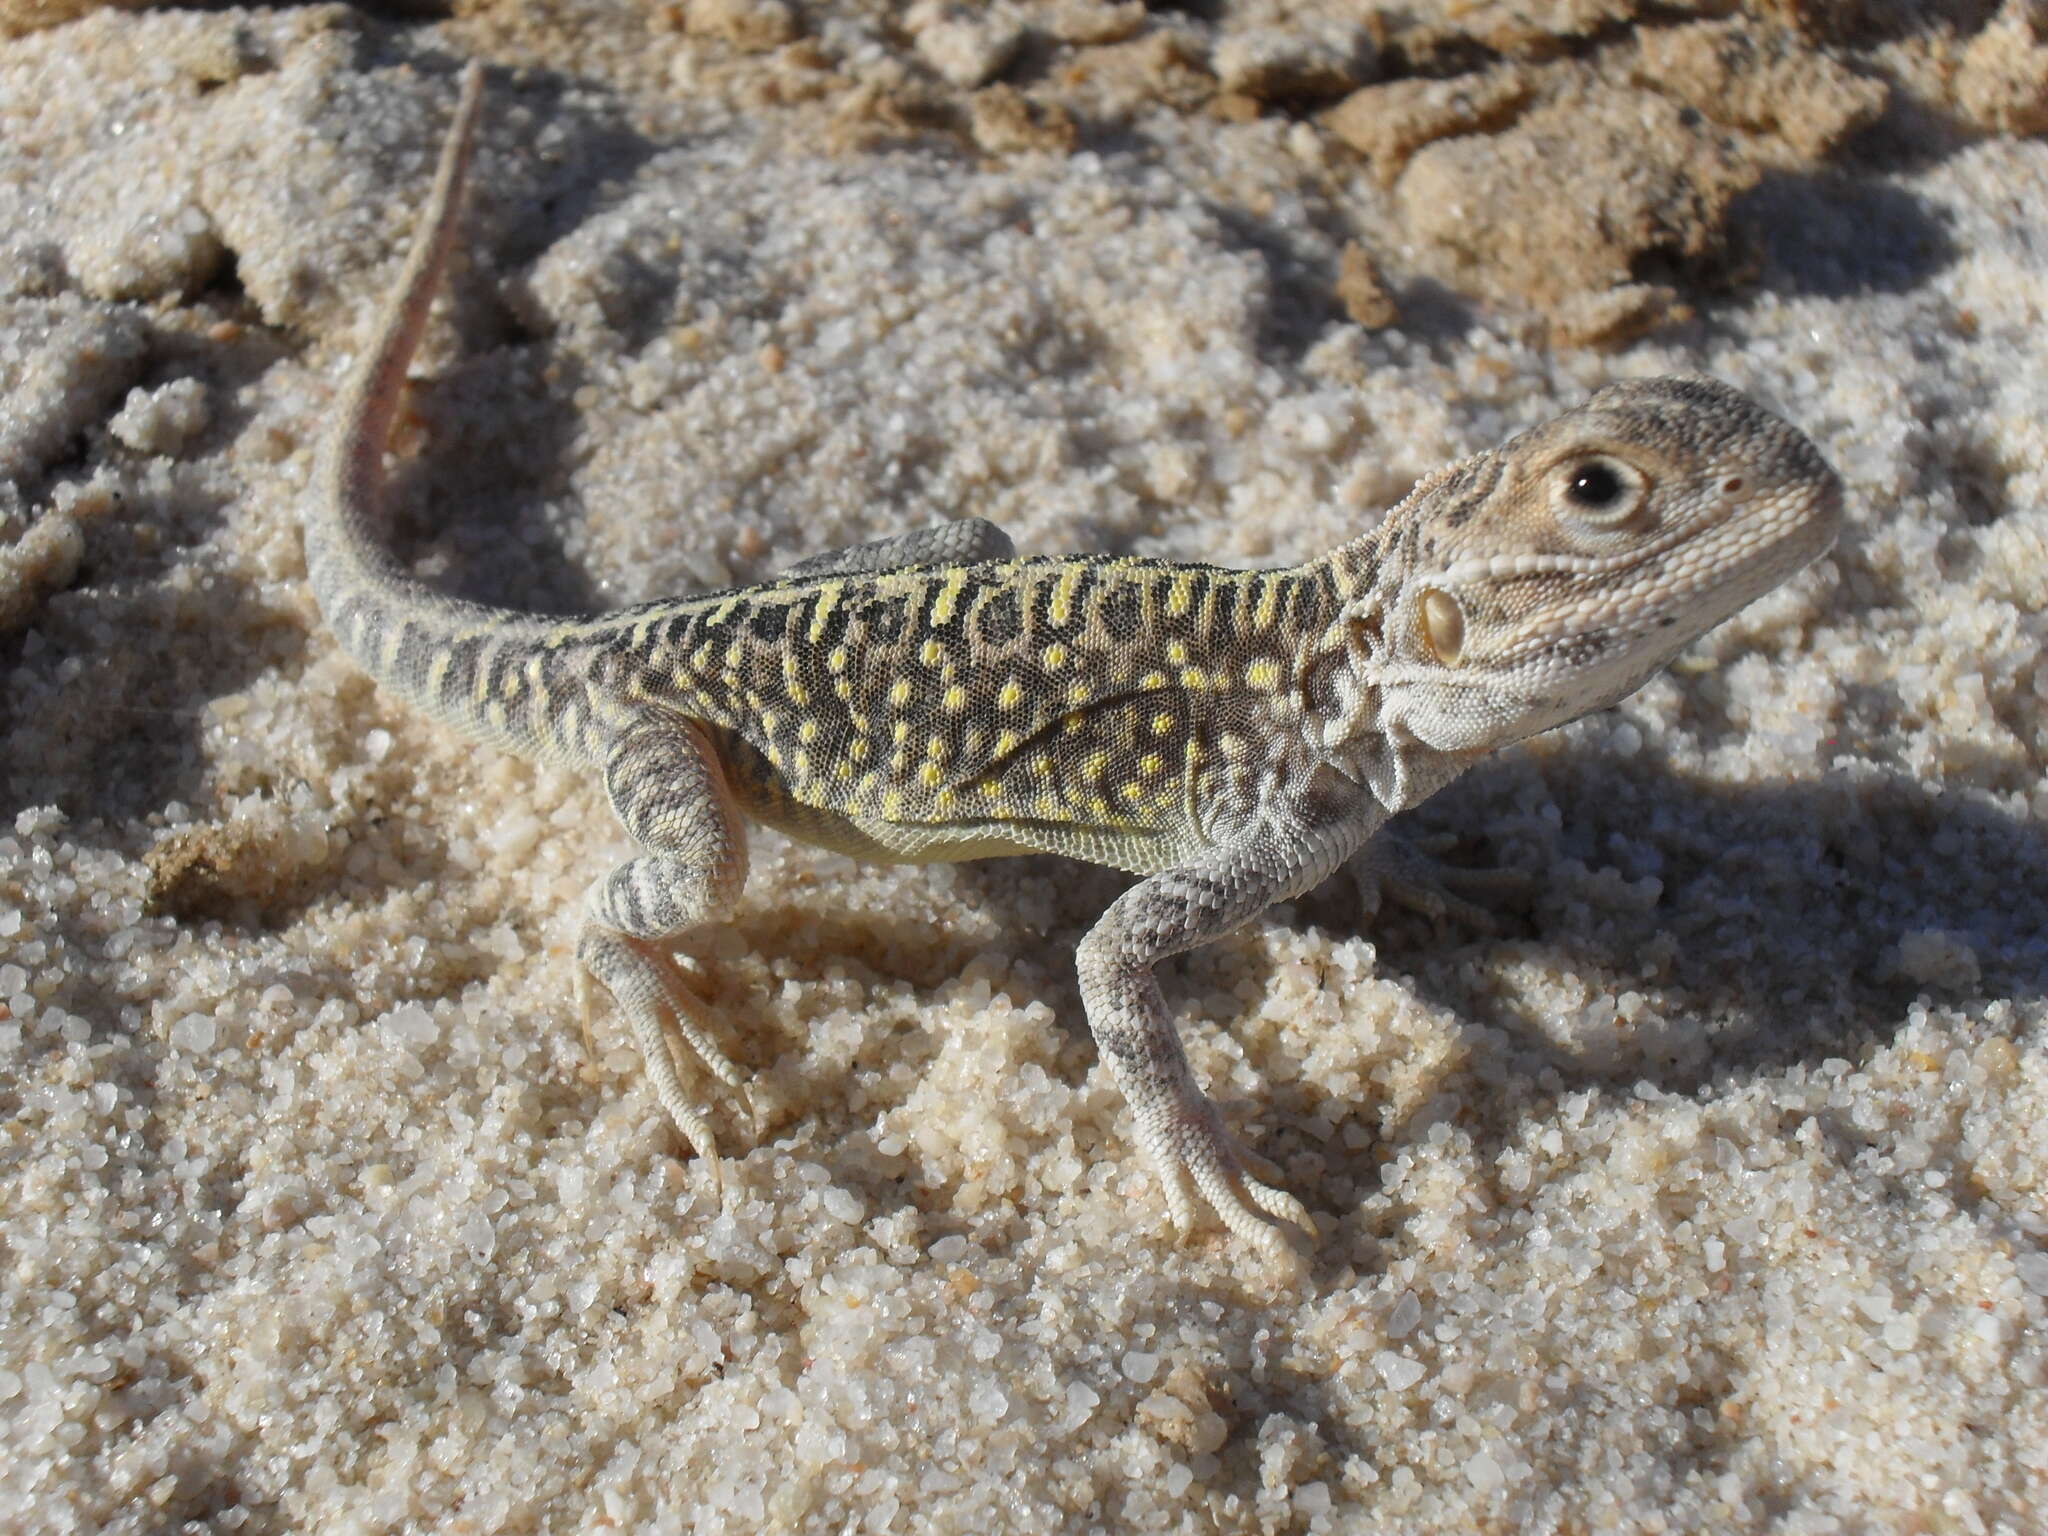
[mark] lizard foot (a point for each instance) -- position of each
(1393, 868)
(671, 1024)
(1197, 1160)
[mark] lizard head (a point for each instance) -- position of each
(1555, 574)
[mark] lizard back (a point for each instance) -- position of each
(1117, 709)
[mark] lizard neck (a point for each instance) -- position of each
(1345, 666)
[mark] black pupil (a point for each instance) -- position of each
(1595, 486)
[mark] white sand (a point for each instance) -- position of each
(1709, 1197)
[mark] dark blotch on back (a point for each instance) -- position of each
(882, 621)
(1122, 610)
(1225, 596)
(1000, 619)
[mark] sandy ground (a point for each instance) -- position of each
(1708, 1194)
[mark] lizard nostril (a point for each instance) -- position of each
(1733, 485)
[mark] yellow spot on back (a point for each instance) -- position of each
(828, 599)
(1262, 674)
(1180, 593)
(1011, 696)
(1061, 607)
(956, 698)
(1268, 608)
(1055, 657)
(947, 596)
(1177, 652)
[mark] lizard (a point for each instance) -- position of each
(1229, 737)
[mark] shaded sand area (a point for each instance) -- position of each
(1706, 1194)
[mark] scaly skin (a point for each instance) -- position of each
(1233, 737)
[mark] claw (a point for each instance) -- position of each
(1197, 1159)
(1409, 873)
(669, 1022)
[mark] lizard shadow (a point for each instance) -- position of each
(1778, 923)
(470, 511)
(474, 509)
(1795, 924)
(1771, 938)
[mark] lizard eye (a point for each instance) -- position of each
(1598, 493)
(1443, 625)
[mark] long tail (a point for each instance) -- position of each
(345, 555)
(448, 657)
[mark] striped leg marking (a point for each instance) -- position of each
(667, 788)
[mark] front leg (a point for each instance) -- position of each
(667, 786)
(1177, 1127)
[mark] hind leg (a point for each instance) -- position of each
(666, 785)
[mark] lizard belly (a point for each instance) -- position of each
(922, 836)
